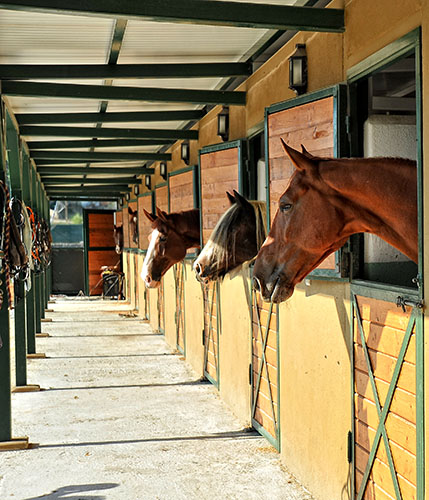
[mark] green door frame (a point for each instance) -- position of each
(406, 45)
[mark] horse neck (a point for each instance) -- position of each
(381, 198)
(187, 223)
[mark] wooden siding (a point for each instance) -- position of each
(145, 226)
(161, 198)
(219, 173)
(181, 191)
(126, 227)
(179, 278)
(310, 124)
(384, 326)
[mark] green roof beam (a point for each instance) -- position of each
(108, 93)
(60, 180)
(53, 171)
(96, 143)
(108, 132)
(208, 12)
(96, 156)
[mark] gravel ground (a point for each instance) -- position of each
(122, 417)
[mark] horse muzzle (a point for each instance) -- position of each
(275, 289)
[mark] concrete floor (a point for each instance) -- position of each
(124, 417)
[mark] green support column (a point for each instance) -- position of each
(49, 269)
(37, 276)
(15, 173)
(6, 440)
(29, 300)
(41, 211)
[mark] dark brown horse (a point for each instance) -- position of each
(134, 228)
(236, 239)
(172, 235)
(327, 201)
(118, 236)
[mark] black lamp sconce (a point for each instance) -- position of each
(184, 152)
(223, 123)
(163, 170)
(121, 202)
(147, 181)
(136, 189)
(127, 196)
(298, 69)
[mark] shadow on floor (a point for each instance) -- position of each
(67, 492)
(132, 386)
(248, 433)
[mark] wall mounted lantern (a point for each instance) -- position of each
(223, 123)
(163, 170)
(127, 196)
(184, 152)
(136, 189)
(121, 202)
(298, 69)
(147, 181)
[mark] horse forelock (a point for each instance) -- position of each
(221, 243)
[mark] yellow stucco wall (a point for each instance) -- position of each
(170, 308)
(315, 406)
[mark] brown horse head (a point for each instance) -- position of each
(328, 200)
(134, 228)
(118, 236)
(236, 239)
(172, 235)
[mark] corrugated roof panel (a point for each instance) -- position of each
(33, 38)
(52, 105)
(151, 42)
(172, 83)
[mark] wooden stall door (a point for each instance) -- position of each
(265, 369)
(211, 332)
(386, 398)
(161, 201)
(100, 247)
(220, 171)
(179, 282)
(315, 124)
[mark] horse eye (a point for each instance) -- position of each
(163, 238)
(284, 207)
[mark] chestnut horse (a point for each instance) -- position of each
(327, 200)
(172, 235)
(236, 239)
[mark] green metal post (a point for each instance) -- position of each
(29, 300)
(5, 382)
(15, 172)
(35, 207)
(41, 211)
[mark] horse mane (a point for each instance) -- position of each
(222, 235)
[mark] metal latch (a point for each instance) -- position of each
(401, 302)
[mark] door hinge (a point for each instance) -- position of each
(203, 337)
(350, 447)
(401, 302)
(250, 373)
(417, 281)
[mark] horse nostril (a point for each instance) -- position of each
(256, 284)
(148, 280)
(198, 268)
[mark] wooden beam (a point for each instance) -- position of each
(91, 156)
(70, 189)
(96, 143)
(209, 12)
(108, 93)
(55, 171)
(118, 71)
(58, 181)
(118, 117)
(29, 130)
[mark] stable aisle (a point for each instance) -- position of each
(123, 417)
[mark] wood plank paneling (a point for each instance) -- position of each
(219, 173)
(181, 191)
(118, 217)
(384, 326)
(133, 206)
(145, 226)
(309, 124)
(101, 230)
(161, 198)
(126, 227)
(211, 333)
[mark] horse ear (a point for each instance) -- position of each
(151, 217)
(130, 211)
(300, 160)
(241, 199)
(161, 214)
(231, 198)
(306, 153)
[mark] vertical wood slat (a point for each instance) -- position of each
(384, 327)
(181, 188)
(161, 198)
(126, 227)
(144, 224)
(309, 124)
